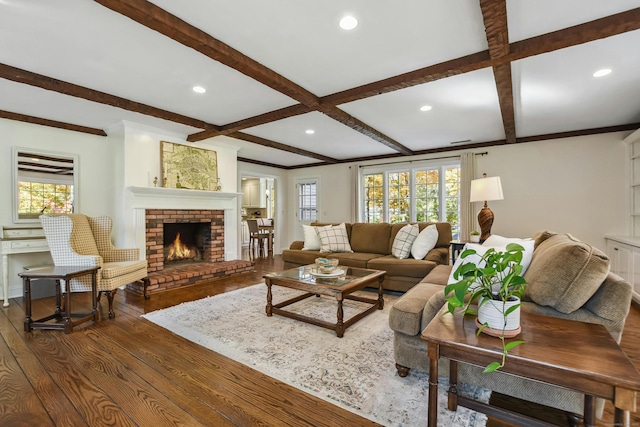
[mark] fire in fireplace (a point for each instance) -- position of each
(185, 242)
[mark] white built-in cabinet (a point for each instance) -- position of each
(254, 193)
(624, 252)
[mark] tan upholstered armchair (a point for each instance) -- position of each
(79, 240)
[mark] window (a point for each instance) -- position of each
(307, 201)
(44, 184)
(424, 192)
(374, 197)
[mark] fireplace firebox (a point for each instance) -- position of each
(185, 243)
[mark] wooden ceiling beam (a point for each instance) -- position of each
(158, 19)
(51, 123)
(271, 144)
(579, 34)
(261, 119)
(428, 74)
(49, 83)
(494, 14)
(359, 126)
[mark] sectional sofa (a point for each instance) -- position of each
(566, 278)
(371, 245)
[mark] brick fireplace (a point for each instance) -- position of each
(153, 207)
(155, 220)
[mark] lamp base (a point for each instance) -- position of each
(485, 220)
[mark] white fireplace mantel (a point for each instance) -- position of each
(167, 198)
(141, 198)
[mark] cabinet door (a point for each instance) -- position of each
(245, 194)
(635, 270)
(621, 259)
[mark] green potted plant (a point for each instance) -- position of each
(495, 284)
(474, 236)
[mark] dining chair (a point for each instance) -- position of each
(256, 235)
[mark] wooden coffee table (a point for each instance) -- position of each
(340, 288)
(575, 355)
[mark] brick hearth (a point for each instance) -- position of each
(214, 266)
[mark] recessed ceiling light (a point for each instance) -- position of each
(602, 73)
(309, 131)
(425, 108)
(199, 89)
(348, 23)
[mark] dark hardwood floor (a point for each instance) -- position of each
(129, 372)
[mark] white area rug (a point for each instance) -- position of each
(356, 372)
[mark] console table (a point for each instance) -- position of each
(555, 351)
(18, 240)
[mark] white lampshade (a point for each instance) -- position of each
(486, 189)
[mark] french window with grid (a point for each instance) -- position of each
(421, 192)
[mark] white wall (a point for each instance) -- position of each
(572, 185)
(95, 184)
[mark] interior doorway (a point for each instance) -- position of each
(259, 201)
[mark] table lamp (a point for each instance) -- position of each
(486, 189)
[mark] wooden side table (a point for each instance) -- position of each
(59, 273)
(556, 351)
(456, 247)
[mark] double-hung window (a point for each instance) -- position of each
(45, 185)
(419, 191)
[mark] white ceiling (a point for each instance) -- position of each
(87, 44)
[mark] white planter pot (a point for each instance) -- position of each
(474, 238)
(491, 312)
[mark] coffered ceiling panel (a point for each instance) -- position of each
(533, 18)
(557, 92)
(463, 108)
(302, 41)
(330, 138)
(84, 43)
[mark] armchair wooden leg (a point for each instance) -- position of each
(110, 295)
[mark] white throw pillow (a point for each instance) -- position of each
(311, 239)
(425, 241)
(334, 238)
(475, 258)
(403, 242)
(528, 245)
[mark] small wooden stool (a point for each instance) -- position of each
(59, 273)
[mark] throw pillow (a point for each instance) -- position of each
(565, 273)
(403, 242)
(528, 245)
(311, 239)
(475, 258)
(425, 241)
(334, 238)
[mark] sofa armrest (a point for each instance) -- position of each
(438, 255)
(406, 314)
(297, 245)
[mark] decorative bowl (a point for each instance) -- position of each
(326, 266)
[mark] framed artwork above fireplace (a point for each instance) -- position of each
(189, 167)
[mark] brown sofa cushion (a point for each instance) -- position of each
(371, 238)
(408, 267)
(565, 272)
